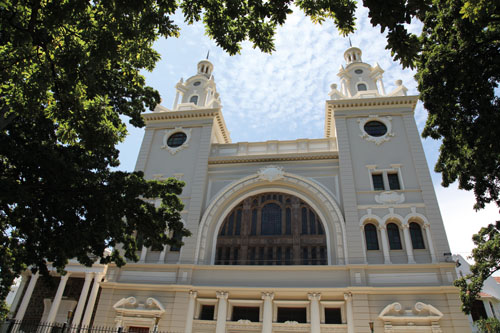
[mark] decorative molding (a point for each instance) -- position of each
(389, 198)
(129, 307)
(396, 318)
(271, 173)
(184, 145)
(378, 140)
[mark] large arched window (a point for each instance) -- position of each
(394, 237)
(194, 99)
(271, 229)
(371, 237)
(417, 240)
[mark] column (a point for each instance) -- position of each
(27, 296)
(363, 243)
(408, 243)
(161, 259)
(92, 298)
(144, 251)
(385, 245)
(83, 298)
(267, 312)
(57, 299)
(315, 315)
(190, 311)
(427, 229)
(349, 313)
(221, 311)
(176, 101)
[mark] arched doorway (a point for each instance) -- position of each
(271, 229)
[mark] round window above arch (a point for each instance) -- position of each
(358, 71)
(196, 83)
(375, 128)
(271, 229)
(176, 140)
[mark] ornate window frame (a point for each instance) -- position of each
(129, 312)
(378, 140)
(169, 132)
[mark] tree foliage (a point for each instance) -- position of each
(69, 71)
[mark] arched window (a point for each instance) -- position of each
(371, 237)
(271, 220)
(194, 99)
(394, 237)
(417, 240)
(271, 229)
(361, 87)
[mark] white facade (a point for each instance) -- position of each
(367, 177)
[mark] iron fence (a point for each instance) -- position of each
(23, 326)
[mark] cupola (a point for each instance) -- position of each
(199, 91)
(352, 54)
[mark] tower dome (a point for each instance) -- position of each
(205, 67)
(352, 54)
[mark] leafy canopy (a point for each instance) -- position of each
(70, 69)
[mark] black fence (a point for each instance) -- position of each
(13, 326)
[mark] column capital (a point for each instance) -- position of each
(406, 226)
(348, 296)
(267, 295)
(89, 275)
(381, 227)
(222, 294)
(193, 294)
(314, 296)
(65, 276)
(426, 226)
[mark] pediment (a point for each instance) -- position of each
(420, 318)
(131, 307)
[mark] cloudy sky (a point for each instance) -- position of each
(282, 96)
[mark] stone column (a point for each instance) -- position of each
(267, 312)
(83, 298)
(221, 311)
(176, 101)
(349, 312)
(385, 244)
(427, 229)
(363, 243)
(190, 311)
(161, 259)
(57, 298)
(27, 296)
(315, 315)
(408, 243)
(144, 251)
(92, 298)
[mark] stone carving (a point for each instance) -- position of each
(395, 317)
(131, 307)
(271, 173)
(244, 321)
(291, 322)
(378, 140)
(168, 133)
(389, 198)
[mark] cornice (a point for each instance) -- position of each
(215, 113)
(364, 104)
(272, 158)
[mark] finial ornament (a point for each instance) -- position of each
(350, 44)
(208, 54)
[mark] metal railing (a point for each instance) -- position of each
(24, 326)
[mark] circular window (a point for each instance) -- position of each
(197, 83)
(375, 128)
(176, 139)
(358, 71)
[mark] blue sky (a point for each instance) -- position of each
(282, 96)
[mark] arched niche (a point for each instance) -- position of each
(273, 179)
(271, 228)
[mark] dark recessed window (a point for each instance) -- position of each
(371, 237)
(245, 313)
(378, 182)
(375, 128)
(207, 312)
(358, 71)
(417, 240)
(292, 314)
(176, 139)
(393, 181)
(197, 83)
(194, 99)
(394, 237)
(333, 316)
(361, 87)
